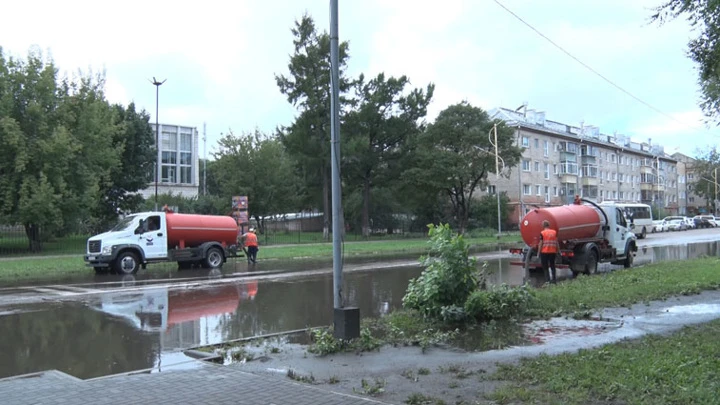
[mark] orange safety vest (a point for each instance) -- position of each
(549, 241)
(250, 239)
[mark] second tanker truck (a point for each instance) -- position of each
(587, 233)
(139, 239)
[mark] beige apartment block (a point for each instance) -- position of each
(561, 161)
(689, 203)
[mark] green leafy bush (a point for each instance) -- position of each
(499, 302)
(450, 276)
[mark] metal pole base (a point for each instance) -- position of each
(347, 323)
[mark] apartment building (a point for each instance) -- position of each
(560, 161)
(179, 162)
(689, 203)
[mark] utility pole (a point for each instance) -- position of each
(346, 320)
(204, 160)
(716, 192)
(497, 177)
(157, 85)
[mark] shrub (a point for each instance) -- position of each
(449, 276)
(499, 302)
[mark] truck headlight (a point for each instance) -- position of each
(106, 250)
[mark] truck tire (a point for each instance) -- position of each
(213, 259)
(591, 263)
(628, 262)
(127, 263)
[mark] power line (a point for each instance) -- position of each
(588, 67)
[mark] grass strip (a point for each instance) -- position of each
(625, 287)
(682, 368)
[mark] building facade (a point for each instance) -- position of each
(561, 161)
(179, 162)
(689, 202)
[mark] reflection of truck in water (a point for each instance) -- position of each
(189, 240)
(587, 234)
(157, 309)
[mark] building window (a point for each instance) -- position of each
(622, 195)
(546, 148)
(547, 170)
(614, 176)
(555, 191)
(537, 143)
(169, 157)
(525, 142)
(526, 189)
(555, 169)
(526, 165)
(537, 189)
(537, 166)
(186, 149)
(491, 189)
(547, 194)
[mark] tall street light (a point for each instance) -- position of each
(157, 85)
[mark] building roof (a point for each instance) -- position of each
(535, 120)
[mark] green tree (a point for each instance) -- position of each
(308, 89)
(704, 15)
(257, 166)
(385, 117)
(454, 156)
(59, 152)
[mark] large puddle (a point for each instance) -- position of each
(136, 325)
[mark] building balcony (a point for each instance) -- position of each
(647, 170)
(658, 187)
(588, 159)
(569, 178)
(590, 181)
(646, 186)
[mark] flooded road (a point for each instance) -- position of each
(113, 325)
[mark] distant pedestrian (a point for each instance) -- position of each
(548, 248)
(250, 241)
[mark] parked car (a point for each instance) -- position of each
(659, 226)
(689, 222)
(677, 224)
(705, 221)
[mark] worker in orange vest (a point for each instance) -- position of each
(548, 248)
(250, 241)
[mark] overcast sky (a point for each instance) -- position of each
(220, 57)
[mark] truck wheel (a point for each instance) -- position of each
(127, 263)
(592, 263)
(628, 262)
(213, 259)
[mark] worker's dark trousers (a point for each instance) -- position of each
(548, 260)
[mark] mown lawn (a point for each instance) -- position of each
(683, 368)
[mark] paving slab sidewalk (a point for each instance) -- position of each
(209, 384)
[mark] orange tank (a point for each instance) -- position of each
(190, 230)
(569, 221)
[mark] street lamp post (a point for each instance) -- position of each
(157, 85)
(497, 173)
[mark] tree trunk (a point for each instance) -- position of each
(33, 234)
(366, 209)
(326, 205)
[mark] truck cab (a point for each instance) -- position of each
(143, 236)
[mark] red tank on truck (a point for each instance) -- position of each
(149, 237)
(588, 233)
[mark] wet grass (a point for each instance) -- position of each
(627, 286)
(683, 368)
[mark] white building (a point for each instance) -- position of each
(179, 172)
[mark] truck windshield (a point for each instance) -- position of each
(124, 224)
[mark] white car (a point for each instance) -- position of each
(676, 224)
(659, 226)
(690, 223)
